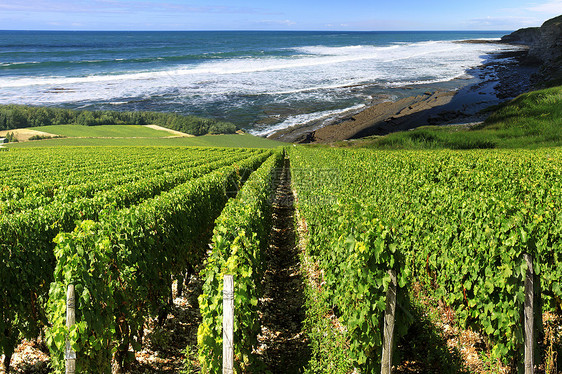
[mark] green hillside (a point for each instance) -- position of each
(110, 131)
(230, 140)
(531, 120)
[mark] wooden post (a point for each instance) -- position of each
(389, 316)
(69, 354)
(228, 325)
(529, 328)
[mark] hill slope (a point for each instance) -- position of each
(531, 120)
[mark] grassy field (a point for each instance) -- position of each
(231, 140)
(532, 120)
(110, 131)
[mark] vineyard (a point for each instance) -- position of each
(118, 223)
(123, 224)
(458, 223)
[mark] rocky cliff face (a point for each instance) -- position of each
(526, 36)
(548, 46)
(545, 46)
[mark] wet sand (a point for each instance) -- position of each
(498, 80)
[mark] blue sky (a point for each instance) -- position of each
(279, 15)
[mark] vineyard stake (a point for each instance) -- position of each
(228, 325)
(529, 332)
(389, 316)
(69, 354)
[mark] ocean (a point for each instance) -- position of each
(261, 81)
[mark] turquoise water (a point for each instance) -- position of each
(259, 80)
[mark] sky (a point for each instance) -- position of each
(340, 15)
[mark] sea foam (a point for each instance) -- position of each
(311, 74)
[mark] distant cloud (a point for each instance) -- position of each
(284, 22)
(340, 26)
(506, 23)
(539, 12)
(530, 14)
(552, 7)
(383, 24)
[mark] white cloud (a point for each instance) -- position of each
(552, 7)
(505, 23)
(387, 24)
(284, 22)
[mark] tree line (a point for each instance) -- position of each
(21, 116)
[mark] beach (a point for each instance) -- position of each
(503, 77)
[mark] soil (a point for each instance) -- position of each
(282, 343)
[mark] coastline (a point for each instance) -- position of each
(503, 77)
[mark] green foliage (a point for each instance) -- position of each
(536, 113)
(354, 247)
(11, 137)
(19, 116)
(239, 242)
(42, 137)
(125, 179)
(329, 345)
(190, 357)
(44, 193)
(80, 267)
(145, 244)
(428, 137)
(228, 140)
(222, 128)
(458, 222)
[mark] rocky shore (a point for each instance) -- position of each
(504, 77)
(507, 75)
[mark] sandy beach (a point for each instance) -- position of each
(503, 78)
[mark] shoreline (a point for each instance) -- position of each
(503, 77)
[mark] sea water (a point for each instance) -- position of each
(262, 81)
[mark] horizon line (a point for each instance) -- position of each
(257, 30)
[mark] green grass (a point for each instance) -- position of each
(531, 120)
(231, 140)
(111, 131)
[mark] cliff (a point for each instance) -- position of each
(527, 36)
(545, 46)
(548, 47)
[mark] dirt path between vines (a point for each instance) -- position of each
(282, 342)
